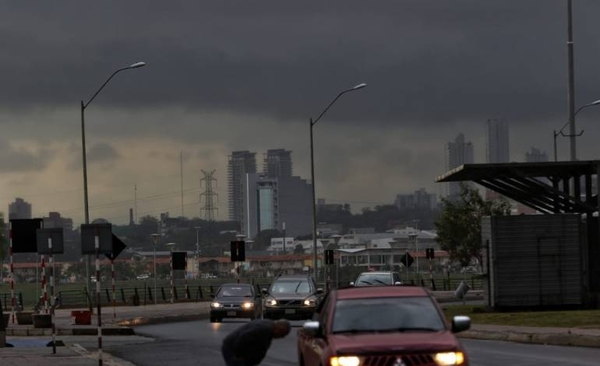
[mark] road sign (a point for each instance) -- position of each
(57, 236)
(238, 251)
(407, 260)
(429, 253)
(23, 234)
(179, 260)
(88, 235)
(329, 256)
(117, 247)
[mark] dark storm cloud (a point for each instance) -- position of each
(426, 61)
(14, 160)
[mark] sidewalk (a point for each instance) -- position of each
(65, 356)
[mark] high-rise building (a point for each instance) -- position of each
(535, 156)
(240, 164)
(20, 209)
(269, 202)
(418, 200)
(278, 163)
(497, 147)
(458, 153)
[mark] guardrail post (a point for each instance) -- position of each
(175, 292)
(123, 296)
(162, 289)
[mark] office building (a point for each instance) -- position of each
(497, 146)
(458, 153)
(278, 163)
(240, 164)
(418, 200)
(535, 156)
(19, 209)
(270, 202)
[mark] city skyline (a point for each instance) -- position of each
(254, 79)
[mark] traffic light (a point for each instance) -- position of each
(238, 251)
(329, 258)
(429, 253)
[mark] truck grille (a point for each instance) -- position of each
(392, 360)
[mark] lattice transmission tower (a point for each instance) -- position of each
(208, 197)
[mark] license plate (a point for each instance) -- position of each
(231, 313)
(290, 311)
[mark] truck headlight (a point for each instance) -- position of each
(215, 305)
(449, 358)
(344, 361)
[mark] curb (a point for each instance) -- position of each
(162, 320)
(575, 340)
(46, 332)
(107, 358)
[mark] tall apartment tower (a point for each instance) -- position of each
(20, 209)
(497, 147)
(458, 153)
(535, 156)
(240, 164)
(278, 163)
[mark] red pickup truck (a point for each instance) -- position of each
(381, 326)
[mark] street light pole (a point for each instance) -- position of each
(312, 174)
(155, 240)
(556, 134)
(197, 251)
(571, 85)
(83, 106)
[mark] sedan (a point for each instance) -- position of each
(235, 300)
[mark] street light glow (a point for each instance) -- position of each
(137, 64)
(362, 85)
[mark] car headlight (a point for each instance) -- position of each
(449, 358)
(311, 301)
(247, 305)
(271, 302)
(215, 305)
(344, 361)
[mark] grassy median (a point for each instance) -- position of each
(568, 319)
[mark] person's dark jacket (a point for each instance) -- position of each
(250, 342)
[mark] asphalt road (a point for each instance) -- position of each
(198, 343)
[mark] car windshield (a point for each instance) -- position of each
(374, 279)
(386, 315)
(291, 287)
(235, 291)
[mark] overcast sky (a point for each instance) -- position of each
(240, 75)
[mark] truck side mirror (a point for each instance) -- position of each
(460, 323)
(312, 328)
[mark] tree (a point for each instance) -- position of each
(298, 249)
(459, 224)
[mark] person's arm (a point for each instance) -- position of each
(249, 340)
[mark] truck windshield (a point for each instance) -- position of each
(386, 315)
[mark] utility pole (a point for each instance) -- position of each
(571, 91)
(209, 195)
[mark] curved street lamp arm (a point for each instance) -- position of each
(103, 85)
(330, 104)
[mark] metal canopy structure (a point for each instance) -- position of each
(550, 188)
(543, 186)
